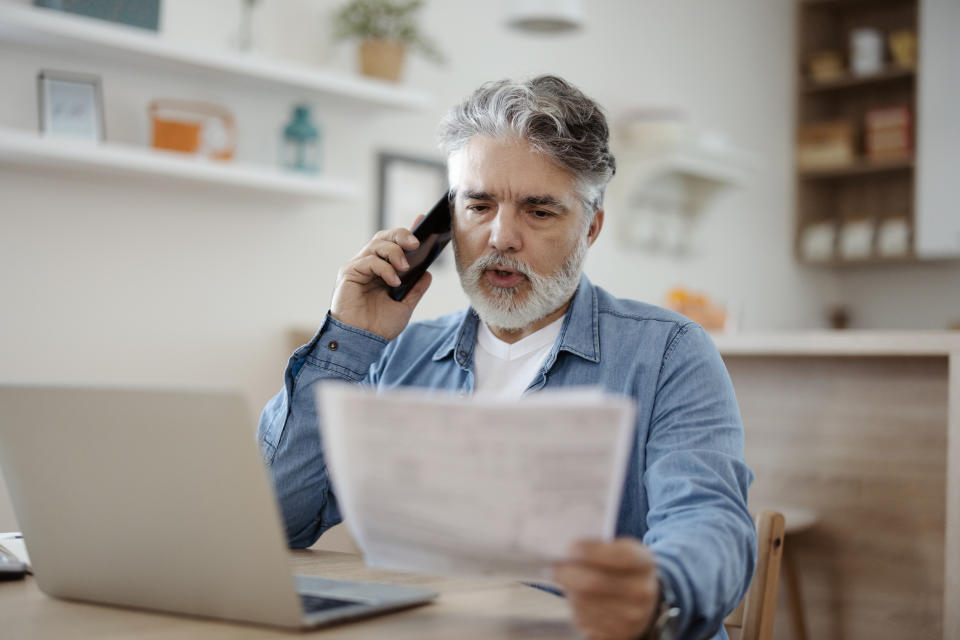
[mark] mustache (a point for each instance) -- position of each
(500, 259)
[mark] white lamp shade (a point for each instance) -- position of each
(545, 16)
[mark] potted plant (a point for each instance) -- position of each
(385, 29)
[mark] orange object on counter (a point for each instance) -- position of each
(193, 127)
(698, 307)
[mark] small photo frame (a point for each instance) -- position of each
(71, 105)
(409, 185)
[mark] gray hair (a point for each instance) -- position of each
(555, 117)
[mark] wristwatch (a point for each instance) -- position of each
(665, 621)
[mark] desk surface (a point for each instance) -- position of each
(467, 608)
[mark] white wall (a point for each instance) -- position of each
(154, 283)
(915, 296)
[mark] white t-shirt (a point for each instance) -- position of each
(505, 370)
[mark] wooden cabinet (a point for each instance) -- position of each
(878, 138)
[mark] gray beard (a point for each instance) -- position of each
(499, 307)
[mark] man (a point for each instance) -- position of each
(528, 165)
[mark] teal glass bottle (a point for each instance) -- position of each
(301, 142)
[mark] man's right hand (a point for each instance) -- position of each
(362, 295)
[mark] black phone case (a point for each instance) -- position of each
(433, 232)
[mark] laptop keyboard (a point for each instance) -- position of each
(314, 604)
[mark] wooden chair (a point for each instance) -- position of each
(798, 520)
(753, 618)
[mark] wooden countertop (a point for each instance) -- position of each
(468, 607)
(839, 343)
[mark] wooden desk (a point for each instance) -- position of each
(487, 608)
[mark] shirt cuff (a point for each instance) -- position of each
(342, 349)
(673, 594)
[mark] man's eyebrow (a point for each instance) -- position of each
(477, 195)
(544, 201)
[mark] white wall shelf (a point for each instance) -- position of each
(86, 36)
(670, 186)
(24, 148)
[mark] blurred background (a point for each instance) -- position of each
(203, 168)
(144, 278)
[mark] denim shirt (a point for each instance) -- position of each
(685, 492)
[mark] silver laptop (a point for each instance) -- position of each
(159, 500)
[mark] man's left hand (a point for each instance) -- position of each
(612, 588)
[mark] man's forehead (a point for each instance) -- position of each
(473, 175)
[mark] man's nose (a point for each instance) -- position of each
(505, 231)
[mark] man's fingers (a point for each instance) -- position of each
(623, 554)
(373, 265)
(416, 292)
(612, 587)
(417, 221)
(392, 253)
(603, 619)
(585, 581)
(400, 236)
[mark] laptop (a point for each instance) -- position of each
(160, 500)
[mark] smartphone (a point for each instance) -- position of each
(433, 232)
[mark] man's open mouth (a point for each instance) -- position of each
(502, 277)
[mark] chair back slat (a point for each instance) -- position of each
(753, 617)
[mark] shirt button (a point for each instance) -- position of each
(462, 354)
(333, 346)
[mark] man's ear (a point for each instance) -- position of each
(595, 227)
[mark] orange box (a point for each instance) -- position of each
(198, 128)
(176, 136)
(888, 133)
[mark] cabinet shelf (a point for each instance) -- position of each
(880, 115)
(23, 148)
(87, 36)
(859, 168)
(852, 82)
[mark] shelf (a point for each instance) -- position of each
(86, 36)
(726, 170)
(24, 148)
(860, 168)
(848, 82)
(695, 160)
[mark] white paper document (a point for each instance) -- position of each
(441, 484)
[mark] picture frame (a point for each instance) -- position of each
(408, 185)
(144, 14)
(70, 105)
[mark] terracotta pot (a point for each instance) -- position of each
(381, 59)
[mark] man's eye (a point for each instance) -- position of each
(542, 215)
(477, 208)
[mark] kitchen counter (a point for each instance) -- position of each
(862, 428)
(840, 343)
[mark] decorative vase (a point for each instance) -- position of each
(301, 142)
(381, 59)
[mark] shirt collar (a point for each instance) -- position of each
(580, 334)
